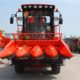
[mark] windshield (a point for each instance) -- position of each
(37, 21)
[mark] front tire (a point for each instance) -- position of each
(19, 68)
(56, 69)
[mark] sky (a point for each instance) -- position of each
(70, 10)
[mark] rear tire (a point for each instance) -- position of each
(56, 69)
(19, 68)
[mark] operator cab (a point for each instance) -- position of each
(38, 18)
(38, 21)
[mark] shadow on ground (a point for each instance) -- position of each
(8, 73)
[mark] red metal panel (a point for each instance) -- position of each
(22, 51)
(51, 51)
(64, 50)
(36, 52)
(8, 50)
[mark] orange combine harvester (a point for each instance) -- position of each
(39, 42)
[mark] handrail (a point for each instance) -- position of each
(34, 35)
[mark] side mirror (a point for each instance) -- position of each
(60, 19)
(11, 20)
